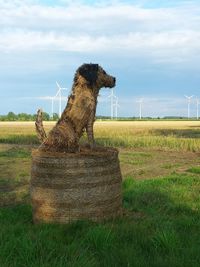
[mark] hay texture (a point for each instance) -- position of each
(79, 113)
(73, 186)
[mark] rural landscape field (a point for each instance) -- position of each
(160, 164)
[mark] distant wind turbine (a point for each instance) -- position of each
(112, 99)
(59, 95)
(189, 101)
(52, 106)
(140, 107)
(116, 105)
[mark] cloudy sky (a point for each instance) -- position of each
(152, 47)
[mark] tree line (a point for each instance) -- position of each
(11, 116)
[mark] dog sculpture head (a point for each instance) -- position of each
(96, 76)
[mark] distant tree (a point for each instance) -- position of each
(34, 117)
(45, 116)
(2, 118)
(55, 116)
(11, 116)
(25, 117)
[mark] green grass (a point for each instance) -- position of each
(14, 174)
(195, 169)
(161, 227)
(135, 158)
(16, 152)
(170, 165)
(30, 139)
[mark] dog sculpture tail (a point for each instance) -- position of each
(39, 127)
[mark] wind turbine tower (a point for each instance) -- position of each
(116, 105)
(52, 106)
(59, 95)
(189, 101)
(112, 99)
(140, 107)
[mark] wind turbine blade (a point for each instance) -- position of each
(188, 97)
(57, 93)
(58, 85)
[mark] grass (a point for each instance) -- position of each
(16, 152)
(135, 158)
(161, 201)
(195, 169)
(14, 174)
(19, 139)
(160, 228)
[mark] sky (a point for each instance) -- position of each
(151, 47)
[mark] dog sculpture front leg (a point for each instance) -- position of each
(89, 130)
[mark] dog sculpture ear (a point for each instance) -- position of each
(89, 72)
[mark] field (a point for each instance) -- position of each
(160, 164)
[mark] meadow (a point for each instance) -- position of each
(160, 227)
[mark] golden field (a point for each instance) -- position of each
(166, 135)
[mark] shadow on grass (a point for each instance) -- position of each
(13, 197)
(182, 133)
(7, 185)
(161, 228)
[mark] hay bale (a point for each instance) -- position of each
(72, 186)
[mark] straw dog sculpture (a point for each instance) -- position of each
(79, 113)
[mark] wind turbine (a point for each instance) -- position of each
(140, 106)
(52, 106)
(59, 95)
(198, 102)
(116, 105)
(112, 98)
(189, 101)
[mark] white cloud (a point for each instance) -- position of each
(165, 35)
(90, 18)
(162, 47)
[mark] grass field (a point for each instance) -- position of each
(160, 165)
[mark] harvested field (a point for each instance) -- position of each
(165, 135)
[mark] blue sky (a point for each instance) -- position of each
(152, 47)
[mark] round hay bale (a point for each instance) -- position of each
(75, 186)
